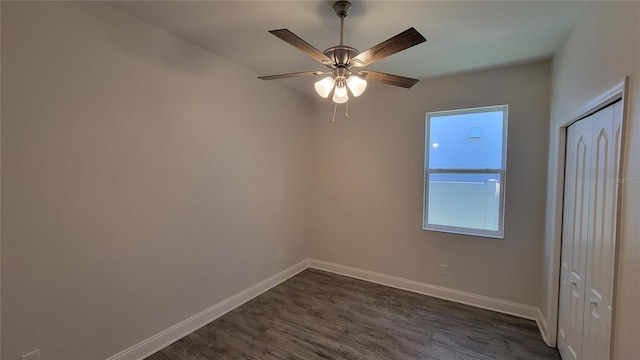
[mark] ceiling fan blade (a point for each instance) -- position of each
(402, 41)
(296, 74)
(388, 79)
(295, 41)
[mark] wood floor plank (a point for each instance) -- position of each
(320, 315)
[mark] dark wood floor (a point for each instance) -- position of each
(319, 315)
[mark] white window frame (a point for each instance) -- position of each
(427, 171)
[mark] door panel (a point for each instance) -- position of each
(599, 241)
(601, 248)
(575, 229)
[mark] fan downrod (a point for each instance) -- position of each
(341, 54)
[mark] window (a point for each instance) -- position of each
(464, 177)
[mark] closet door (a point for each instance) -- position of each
(592, 171)
(574, 240)
(607, 134)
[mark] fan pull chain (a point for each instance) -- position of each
(346, 113)
(335, 107)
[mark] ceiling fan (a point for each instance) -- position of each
(345, 63)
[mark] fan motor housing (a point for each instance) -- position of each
(341, 55)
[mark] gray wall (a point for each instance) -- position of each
(368, 178)
(601, 50)
(143, 180)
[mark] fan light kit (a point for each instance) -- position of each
(346, 75)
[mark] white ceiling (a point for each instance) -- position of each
(461, 35)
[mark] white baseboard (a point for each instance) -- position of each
(149, 346)
(480, 301)
(185, 327)
(542, 325)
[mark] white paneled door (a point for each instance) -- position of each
(588, 235)
(574, 240)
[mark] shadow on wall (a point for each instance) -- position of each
(178, 55)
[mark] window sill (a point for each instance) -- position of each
(468, 232)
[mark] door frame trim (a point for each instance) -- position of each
(558, 134)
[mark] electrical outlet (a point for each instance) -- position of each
(280, 257)
(34, 355)
(443, 269)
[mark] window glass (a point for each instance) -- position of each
(466, 141)
(465, 152)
